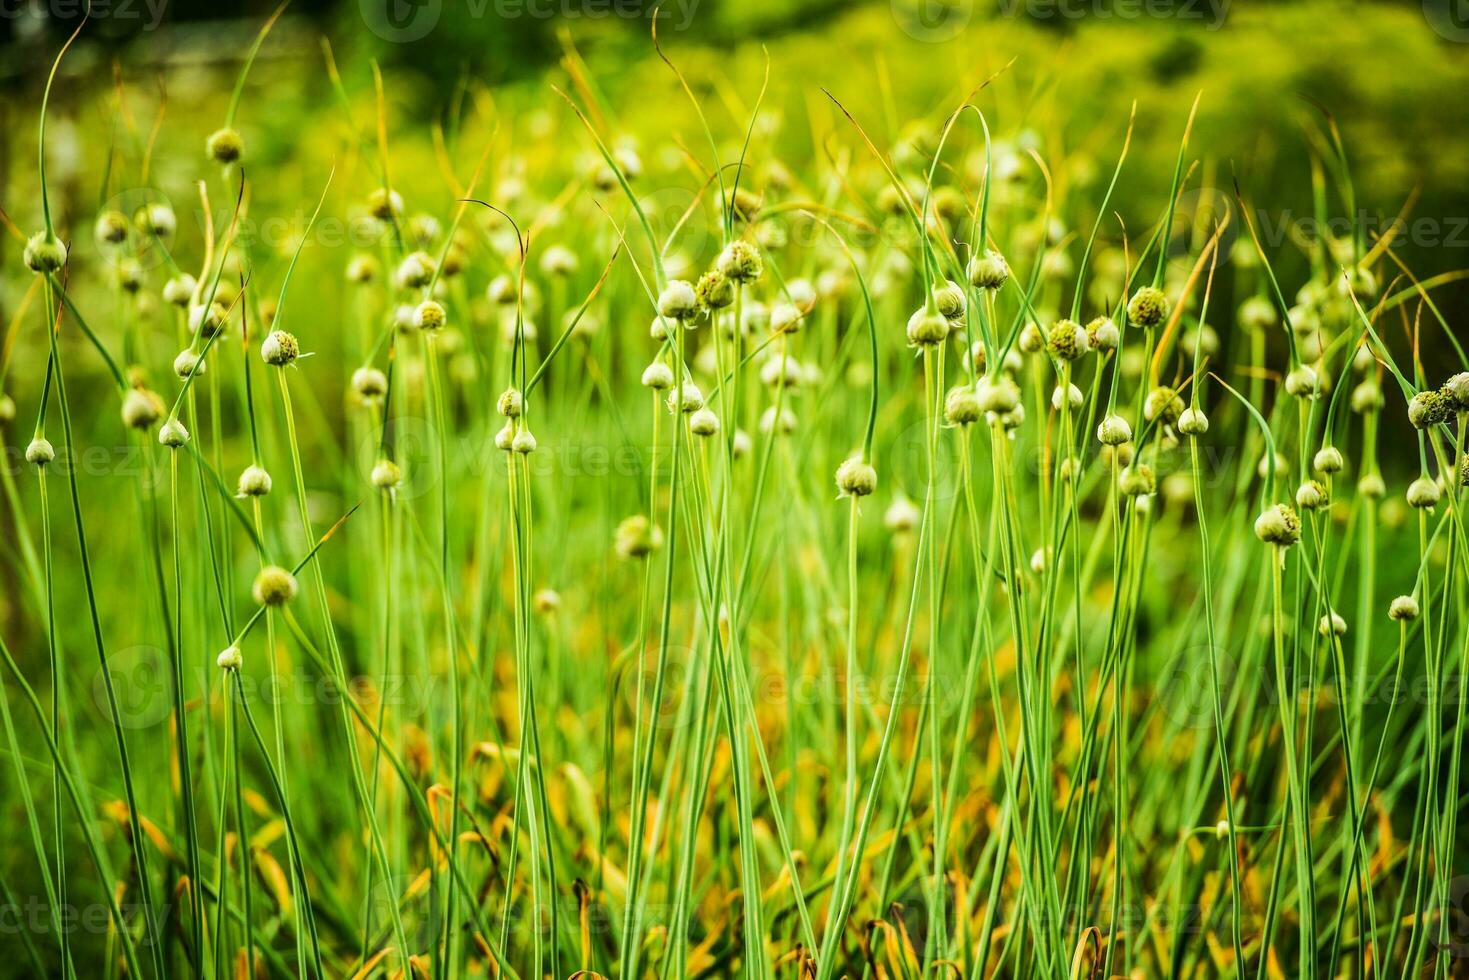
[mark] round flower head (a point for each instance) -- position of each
(1102, 333)
(369, 384)
(949, 299)
(7, 409)
(927, 328)
(207, 320)
(1148, 307)
(1423, 493)
(1113, 430)
(179, 289)
(1278, 525)
(225, 146)
(44, 253)
(156, 220)
(141, 409)
(998, 395)
(1193, 422)
(1137, 480)
(1311, 495)
(961, 406)
(415, 271)
(686, 398)
(678, 301)
(362, 269)
(988, 271)
(1303, 383)
(188, 362)
(524, 442)
(856, 478)
(740, 445)
(1031, 339)
(505, 438)
(229, 658)
(546, 601)
(429, 316)
(1328, 460)
(1429, 408)
(1162, 405)
(254, 481)
(1403, 609)
(658, 376)
(704, 422)
(1257, 313)
(173, 434)
(40, 451)
(386, 475)
(1371, 485)
(1332, 624)
(129, 275)
(1456, 391)
(1038, 560)
(740, 262)
(384, 204)
(1367, 397)
(637, 537)
(1071, 395)
(510, 404)
(558, 260)
(1067, 340)
(785, 318)
(714, 290)
(902, 516)
(111, 228)
(273, 586)
(279, 348)
(782, 424)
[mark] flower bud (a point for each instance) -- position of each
(902, 516)
(961, 406)
(1162, 405)
(856, 478)
(141, 409)
(44, 252)
(225, 146)
(637, 537)
(369, 384)
(1193, 422)
(229, 658)
(1067, 340)
(1403, 609)
(1303, 383)
(40, 451)
(1148, 307)
(1429, 408)
(1137, 480)
(1312, 495)
(1328, 459)
(1113, 430)
(254, 481)
(1102, 334)
(658, 376)
(704, 422)
(1278, 525)
(927, 329)
(273, 586)
(1423, 493)
(429, 316)
(279, 348)
(188, 362)
(677, 301)
(714, 290)
(1332, 624)
(988, 271)
(524, 442)
(386, 475)
(740, 262)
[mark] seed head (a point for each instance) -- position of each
(415, 271)
(1148, 307)
(686, 398)
(856, 478)
(1371, 485)
(997, 395)
(927, 329)
(386, 475)
(273, 586)
(279, 348)
(1429, 408)
(141, 409)
(704, 422)
(188, 362)
(949, 299)
(505, 438)
(1067, 340)
(369, 384)
(156, 220)
(225, 146)
(44, 253)
(988, 271)
(384, 204)
(510, 404)
(558, 261)
(1312, 495)
(1162, 405)
(429, 316)
(678, 301)
(1303, 383)
(1137, 480)
(1071, 394)
(740, 262)
(1114, 431)
(1103, 334)
(1456, 391)
(1423, 493)
(111, 228)
(1193, 422)
(715, 290)
(524, 443)
(961, 406)
(1403, 609)
(1332, 624)
(362, 269)
(1031, 339)
(1278, 525)
(637, 537)
(254, 481)
(785, 318)
(40, 451)
(179, 289)
(173, 434)
(658, 376)
(229, 658)
(1328, 459)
